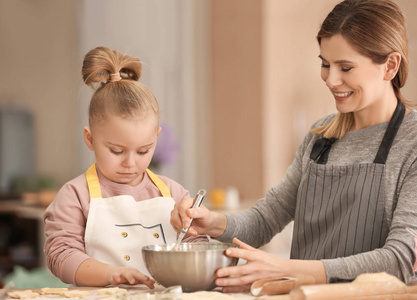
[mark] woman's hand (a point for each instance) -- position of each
(205, 221)
(124, 275)
(262, 265)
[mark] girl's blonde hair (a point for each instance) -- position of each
(375, 28)
(114, 77)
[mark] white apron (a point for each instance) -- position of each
(118, 227)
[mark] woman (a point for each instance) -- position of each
(352, 187)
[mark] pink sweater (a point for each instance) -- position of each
(66, 217)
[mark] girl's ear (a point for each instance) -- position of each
(88, 138)
(392, 65)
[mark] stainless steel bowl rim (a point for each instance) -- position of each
(193, 247)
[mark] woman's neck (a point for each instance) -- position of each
(377, 113)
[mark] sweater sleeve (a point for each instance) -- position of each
(64, 228)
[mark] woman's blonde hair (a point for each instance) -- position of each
(375, 28)
(114, 77)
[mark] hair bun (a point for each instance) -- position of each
(101, 63)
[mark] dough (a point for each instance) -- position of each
(111, 291)
(372, 277)
(74, 293)
(53, 291)
(23, 294)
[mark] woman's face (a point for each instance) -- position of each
(355, 81)
(123, 147)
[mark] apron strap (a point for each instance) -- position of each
(321, 150)
(390, 133)
(163, 188)
(92, 182)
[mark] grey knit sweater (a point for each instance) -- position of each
(258, 225)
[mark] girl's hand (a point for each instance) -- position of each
(260, 265)
(92, 272)
(124, 275)
(205, 221)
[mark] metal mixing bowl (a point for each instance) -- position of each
(192, 265)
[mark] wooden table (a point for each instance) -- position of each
(139, 289)
(142, 292)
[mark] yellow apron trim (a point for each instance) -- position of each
(92, 181)
(163, 188)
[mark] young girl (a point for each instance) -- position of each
(100, 220)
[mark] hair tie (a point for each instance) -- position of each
(115, 77)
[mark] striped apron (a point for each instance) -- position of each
(340, 208)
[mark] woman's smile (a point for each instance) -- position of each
(342, 96)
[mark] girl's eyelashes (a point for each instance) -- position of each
(116, 152)
(347, 69)
(323, 65)
(120, 152)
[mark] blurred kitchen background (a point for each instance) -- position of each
(238, 84)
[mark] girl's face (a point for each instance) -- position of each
(123, 147)
(356, 82)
